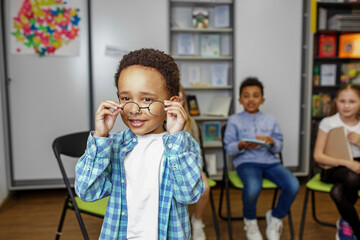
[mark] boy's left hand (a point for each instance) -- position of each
(354, 138)
(267, 139)
(176, 116)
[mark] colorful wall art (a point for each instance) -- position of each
(45, 27)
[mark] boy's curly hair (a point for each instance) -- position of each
(156, 59)
(251, 81)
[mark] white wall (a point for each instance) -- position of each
(268, 46)
(129, 25)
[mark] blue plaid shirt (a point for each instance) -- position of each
(100, 173)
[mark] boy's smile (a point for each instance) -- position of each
(251, 98)
(142, 85)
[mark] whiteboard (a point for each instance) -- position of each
(268, 46)
(48, 98)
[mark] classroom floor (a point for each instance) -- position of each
(35, 215)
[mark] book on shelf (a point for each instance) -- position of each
(210, 159)
(212, 131)
(327, 45)
(328, 74)
(210, 45)
(316, 75)
(349, 45)
(219, 74)
(350, 73)
(322, 18)
(200, 18)
(337, 145)
(345, 22)
(193, 105)
(221, 16)
(185, 44)
(316, 105)
(220, 106)
(325, 104)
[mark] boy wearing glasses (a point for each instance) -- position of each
(152, 170)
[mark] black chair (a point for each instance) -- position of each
(74, 145)
(212, 183)
(230, 176)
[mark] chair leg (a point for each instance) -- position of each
(225, 184)
(62, 218)
(274, 198)
(302, 223)
(81, 222)
(291, 226)
(215, 220)
(314, 212)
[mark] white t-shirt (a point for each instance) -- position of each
(334, 121)
(143, 167)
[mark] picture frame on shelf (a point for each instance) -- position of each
(193, 105)
(210, 45)
(194, 72)
(185, 44)
(222, 16)
(219, 74)
(212, 132)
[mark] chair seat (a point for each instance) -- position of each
(211, 182)
(316, 184)
(236, 181)
(98, 207)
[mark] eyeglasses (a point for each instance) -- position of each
(156, 108)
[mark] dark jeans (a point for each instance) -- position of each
(344, 193)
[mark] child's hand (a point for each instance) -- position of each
(353, 166)
(267, 139)
(176, 116)
(105, 117)
(354, 138)
(247, 145)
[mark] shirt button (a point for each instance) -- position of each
(169, 145)
(122, 181)
(174, 167)
(122, 213)
(124, 149)
(134, 140)
(89, 168)
(92, 145)
(126, 142)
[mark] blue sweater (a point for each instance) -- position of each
(245, 125)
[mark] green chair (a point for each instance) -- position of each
(313, 185)
(212, 184)
(231, 177)
(73, 145)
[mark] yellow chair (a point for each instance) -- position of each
(230, 176)
(74, 145)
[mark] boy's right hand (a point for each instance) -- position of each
(105, 117)
(247, 145)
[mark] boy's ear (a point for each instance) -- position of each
(175, 98)
(239, 99)
(263, 100)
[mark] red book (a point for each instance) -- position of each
(327, 45)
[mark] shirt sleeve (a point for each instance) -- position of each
(183, 155)
(277, 137)
(231, 140)
(325, 124)
(93, 170)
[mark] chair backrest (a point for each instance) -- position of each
(72, 145)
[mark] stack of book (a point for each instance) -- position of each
(345, 22)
